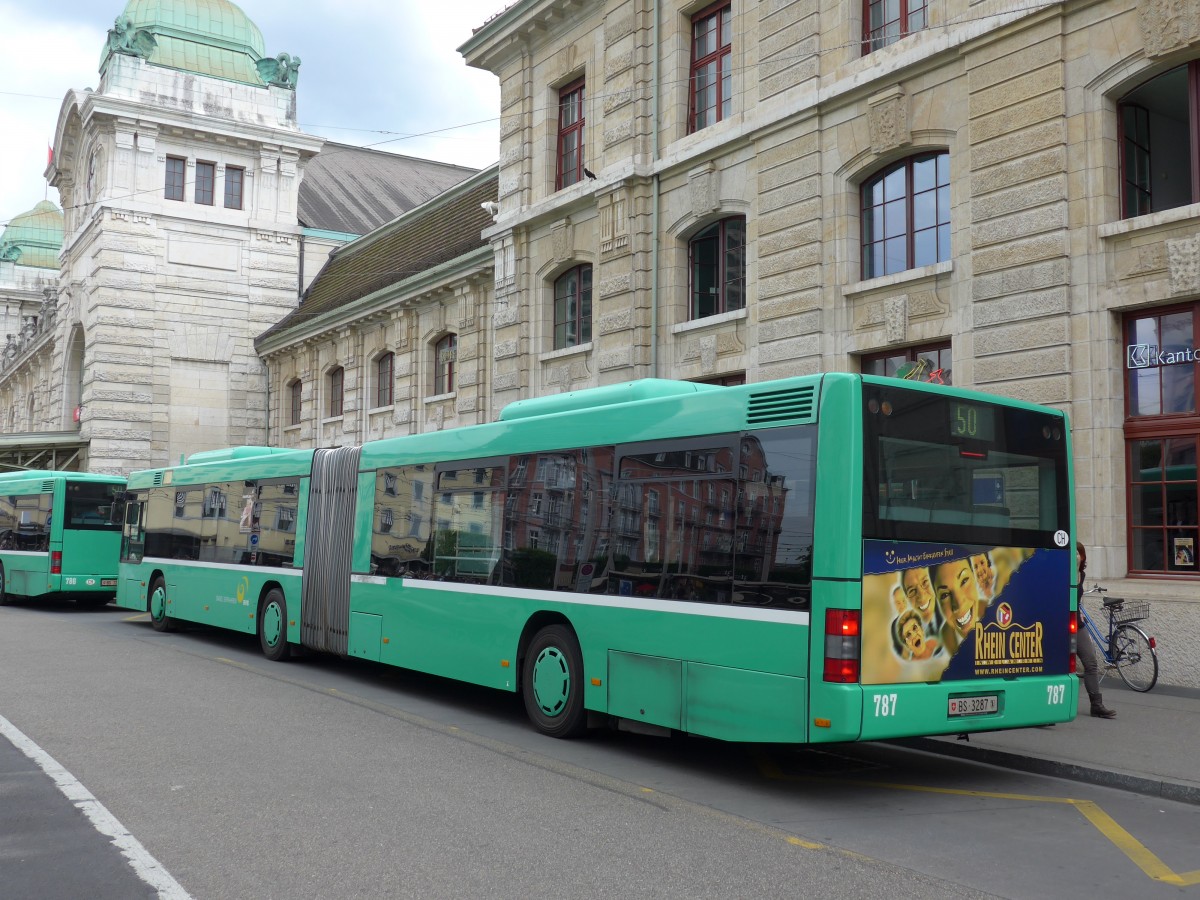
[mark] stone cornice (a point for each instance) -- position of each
(509, 32)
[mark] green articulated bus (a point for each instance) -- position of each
(826, 558)
(60, 533)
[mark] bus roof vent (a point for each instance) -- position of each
(158, 477)
(787, 405)
(47, 487)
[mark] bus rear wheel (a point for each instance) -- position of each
(552, 683)
(272, 625)
(4, 598)
(157, 604)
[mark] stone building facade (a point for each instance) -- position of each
(29, 248)
(1005, 195)
(180, 239)
(394, 335)
(195, 215)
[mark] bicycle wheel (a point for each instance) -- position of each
(1136, 661)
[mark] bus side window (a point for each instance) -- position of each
(133, 535)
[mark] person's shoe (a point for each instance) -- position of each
(1099, 710)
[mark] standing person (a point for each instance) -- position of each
(1088, 654)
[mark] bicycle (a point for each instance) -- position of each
(1126, 648)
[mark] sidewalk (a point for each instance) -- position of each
(1151, 747)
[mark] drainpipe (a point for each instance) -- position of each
(654, 196)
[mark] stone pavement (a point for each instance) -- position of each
(1151, 747)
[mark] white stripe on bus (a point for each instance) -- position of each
(650, 604)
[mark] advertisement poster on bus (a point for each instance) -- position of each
(954, 612)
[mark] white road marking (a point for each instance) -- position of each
(149, 869)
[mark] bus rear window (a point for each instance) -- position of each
(94, 507)
(943, 468)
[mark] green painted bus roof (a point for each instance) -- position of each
(207, 456)
(591, 398)
(42, 475)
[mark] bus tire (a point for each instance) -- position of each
(156, 605)
(552, 683)
(4, 598)
(272, 625)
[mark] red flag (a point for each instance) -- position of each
(49, 154)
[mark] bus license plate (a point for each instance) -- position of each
(108, 582)
(974, 706)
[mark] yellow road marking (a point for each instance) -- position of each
(1135, 850)
(136, 618)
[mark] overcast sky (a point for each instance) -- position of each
(371, 73)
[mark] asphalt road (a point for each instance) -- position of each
(342, 779)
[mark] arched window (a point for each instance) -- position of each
(906, 215)
(1160, 142)
(295, 391)
(384, 372)
(717, 268)
(573, 308)
(445, 355)
(335, 381)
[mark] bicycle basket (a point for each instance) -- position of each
(1131, 611)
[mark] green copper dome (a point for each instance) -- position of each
(207, 37)
(34, 238)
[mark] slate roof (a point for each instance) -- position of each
(442, 230)
(356, 189)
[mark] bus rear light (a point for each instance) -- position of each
(842, 642)
(842, 622)
(841, 671)
(55, 562)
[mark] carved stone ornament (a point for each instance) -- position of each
(702, 183)
(1168, 25)
(1183, 263)
(895, 319)
(887, 119)
(562, 240)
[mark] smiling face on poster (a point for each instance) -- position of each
(953, 625)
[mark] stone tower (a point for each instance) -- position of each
(178, 177)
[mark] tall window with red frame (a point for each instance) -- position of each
(384, 380)
(445, 355)
(573, 308)
(297, 394)
(571, 122)
(336, 380)
(717, 268)
(1162, 430)
(906, 215)
(1159, 125)
(886, 21)
(711, 75)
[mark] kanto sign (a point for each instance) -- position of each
(1144, 356)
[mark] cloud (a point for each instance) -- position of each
(367, 67)
(39, 62)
